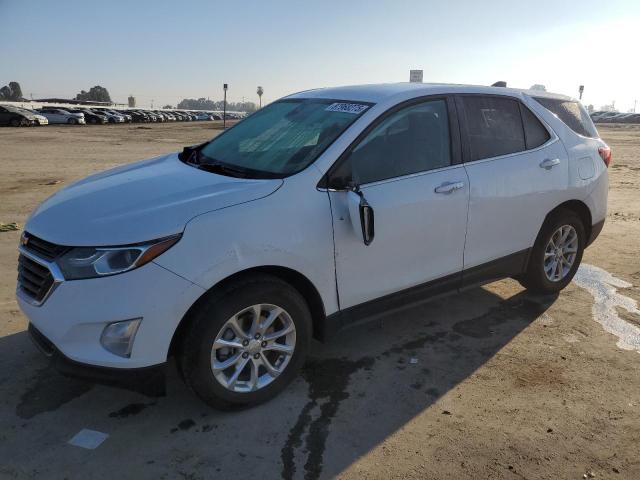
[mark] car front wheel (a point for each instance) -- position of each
(556, 255)
(245, 342)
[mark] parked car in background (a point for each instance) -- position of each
(112, 117)
(137, 116)
(17, 117)
(59, 115)
(632, 118)
(604, 116)
(40, 119)
(414, 190)
(90, 116)
(203, 116)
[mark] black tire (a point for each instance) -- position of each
(209, 316)
(534, 278)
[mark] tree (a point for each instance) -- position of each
(11, 92)
(168, 107)
(538, 87)
(206, 104)
(95, 94)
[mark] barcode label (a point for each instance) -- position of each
(355, 108)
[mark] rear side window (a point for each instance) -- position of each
(494, 126)
(534, 132)
(572, 113)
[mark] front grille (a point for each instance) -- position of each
(34, 279)
(42, 248)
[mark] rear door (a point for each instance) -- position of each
(518, 172)
(408, 169)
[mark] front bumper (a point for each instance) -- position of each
(147, 380)
(75, 314)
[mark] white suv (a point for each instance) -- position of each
(318, 210)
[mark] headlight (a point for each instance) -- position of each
(89, 262)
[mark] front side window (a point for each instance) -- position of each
(283, 137)
(414, 139)
(494, 126)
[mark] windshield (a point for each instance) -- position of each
(283, 137)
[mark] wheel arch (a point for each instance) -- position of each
(294, 278)
(578, 207)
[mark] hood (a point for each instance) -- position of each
(139, 202)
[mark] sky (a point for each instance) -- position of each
(164, 51)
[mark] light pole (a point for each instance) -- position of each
(581, 90)
(260, 91)
(224, 107)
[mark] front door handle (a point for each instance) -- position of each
(549, 163)
(449, 187)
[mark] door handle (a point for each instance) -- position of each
(549, 163)
(449, 187)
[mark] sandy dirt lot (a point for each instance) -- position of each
(506, 384)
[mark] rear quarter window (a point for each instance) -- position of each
(572, 113)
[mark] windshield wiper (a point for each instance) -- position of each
(223, 169)
(191, 154)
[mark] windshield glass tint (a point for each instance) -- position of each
(283, 137)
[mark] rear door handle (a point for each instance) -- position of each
(449, 187)
(549, 163)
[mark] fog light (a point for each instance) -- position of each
(118, 337)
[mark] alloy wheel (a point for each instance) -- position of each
(253, 348)
(560, 253)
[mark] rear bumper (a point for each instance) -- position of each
(146, 380)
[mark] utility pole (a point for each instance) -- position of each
(260, 91)
(580, 90)
(224, 107)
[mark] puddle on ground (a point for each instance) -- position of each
(604, 288)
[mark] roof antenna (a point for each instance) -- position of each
(500, 84)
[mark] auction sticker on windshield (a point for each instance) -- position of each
(354, 108)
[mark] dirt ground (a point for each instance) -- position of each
(492, 383)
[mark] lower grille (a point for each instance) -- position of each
(41, 341)
(34, 279)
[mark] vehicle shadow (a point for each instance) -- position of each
(353, 393)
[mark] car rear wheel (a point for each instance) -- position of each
(245, 342)
(556, 255)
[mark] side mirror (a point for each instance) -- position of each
(362, 216)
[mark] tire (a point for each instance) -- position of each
(535, 278)
(208, 321)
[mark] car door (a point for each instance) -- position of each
(51, 115)
(516, 167)
(4, 116)
(406, 165)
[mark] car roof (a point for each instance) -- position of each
(376, 93)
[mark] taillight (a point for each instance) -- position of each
(605, 155)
